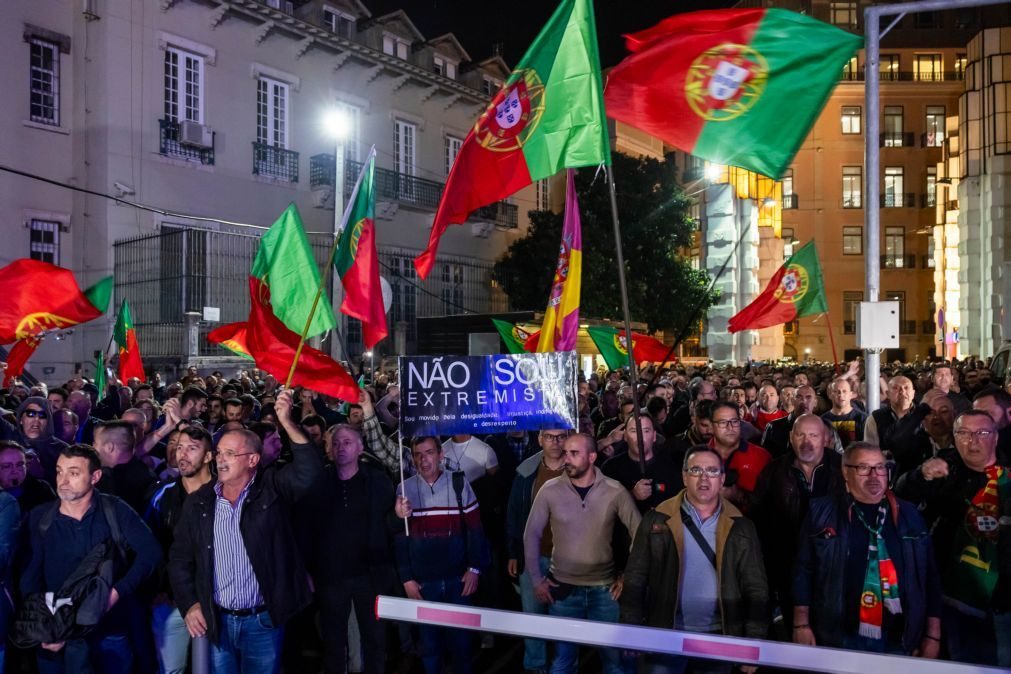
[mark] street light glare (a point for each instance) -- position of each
(713, 172)
(337, 123)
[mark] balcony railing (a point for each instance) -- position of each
(898, 261)
(853, 75)
(503, 214)
(896, 139)
(932, 139)
(853, 201)
(907, 327)
(790, 202)
(275, 162)
(900, 200)
(170, 146)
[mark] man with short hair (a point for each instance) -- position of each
(57, 398)
(848, 421)
(123, 474)
(776, 438)
(15, 480)
(73, 527)
(696, 566)
(215, 412)
(768, 409)
(35, 431)
(65, 424)
(745, 459)
(239, 585)
(924, 432)
(997, 403)
(965, 494)
(233, 410)
(943, 379)
(878, 428)
(680, 420)
(142, 392)
(193, 403)
(662, 477)
(581, 508)
(865, 577)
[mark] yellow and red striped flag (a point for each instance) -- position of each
(561, 319)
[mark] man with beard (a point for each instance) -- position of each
(662, 477)
(581, 508)
(193, 455)
(680, 420)
(15, 480)
(865, 577)
(35, 431)
(699, 433)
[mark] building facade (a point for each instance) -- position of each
(211, 114)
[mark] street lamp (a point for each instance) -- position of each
(337, 124)
(372, 365)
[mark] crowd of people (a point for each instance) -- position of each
(236, 524)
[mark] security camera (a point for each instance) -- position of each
(123, 188)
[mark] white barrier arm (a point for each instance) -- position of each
(634, 638)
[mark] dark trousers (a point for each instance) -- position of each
(108, 654)
(334, 610)
(436, 641)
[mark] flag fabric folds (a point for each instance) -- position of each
(549, 115)
(357, 262)
(273, 347)
(734, 86)
(513, 336)
(130, 365)
(232, 337)
(18, 357)
(795, 290)
(285, 262)
(101, 378)
(38, 297)
(613, 347)
(561, 318)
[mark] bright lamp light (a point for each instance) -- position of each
(713, 172)
(336, 123)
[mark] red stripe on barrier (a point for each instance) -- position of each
(724, 650)
(449, 617)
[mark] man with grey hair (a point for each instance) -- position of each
(877, 430)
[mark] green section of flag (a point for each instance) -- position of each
(511, 340)
(100, 383)
(604, 339)
(124, 323)
(363, 211)
(572, 131)
(284, 260)
(100, 294)
(805, 58)
(813, 301)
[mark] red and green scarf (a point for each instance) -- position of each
(881, 581)
(976, 543)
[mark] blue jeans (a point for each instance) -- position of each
(970, 639)
(663, 663)
(589, 602)
(247, 645)
(437, 640)
(171, 638)
(1002, 628)
(109, 654)
(535, 651)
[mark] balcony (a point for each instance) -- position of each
(853, 75)
(275, 162)
(900, 200)
(932, 139)
(898, 261)
(907, 327)
(504, 215)
(852, 201)
(790, 202)
(896, 139)
(169, 144)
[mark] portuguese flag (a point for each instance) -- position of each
(795, 290)
(233, 337)
(38, 297)
(612, 345)
(513, 336)
(130, 365)
(284, 262)
(18, 357)
(734, 86)
(549, 115)
(101, 382)
(357, 261)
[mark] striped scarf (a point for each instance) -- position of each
(881, 581)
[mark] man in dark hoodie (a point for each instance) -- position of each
(35, 431)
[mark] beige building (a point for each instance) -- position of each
(214, 110)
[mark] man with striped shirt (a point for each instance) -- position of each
(234, 565)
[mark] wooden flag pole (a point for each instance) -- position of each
(400, 461)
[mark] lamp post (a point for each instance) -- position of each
(372, 365)
(336, 125)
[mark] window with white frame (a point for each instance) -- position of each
(851, 70)
(930, 195)
(395, 46)
(352, 141)
(271, 112)
(453, 145)
(894, 187)
(853, 240)
(543, 195)
(44, 75)
(787, 235)
(928, 68)
(852, 186)
(405, 140)
(895, 247)
(443, 66)
(851, 300)
(184, 86)
(338, 23)
(843, 14)
(934, 124)
(44, 240)
(851, 118)
(893, 126)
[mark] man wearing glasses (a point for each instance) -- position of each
(965, 494)
(741, 457)
(865, 577)
(674, 578)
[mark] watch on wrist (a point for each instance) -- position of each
(476, 572)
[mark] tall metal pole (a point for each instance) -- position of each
(872, 212)
(632, 371)
(336, 289)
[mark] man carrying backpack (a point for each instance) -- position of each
(67, 534)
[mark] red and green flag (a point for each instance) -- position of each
(795, 290)
(232, 337)
(130, 365)
(356, 259)
(18, 357)
(613, 347)
(285, 262)
(513, 336)
(549, 115)
(39, 297)
(101, 380)
(734, 86)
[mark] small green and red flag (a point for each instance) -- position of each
(614, 347)
(549, 115)
(795, 290)
(734, 86)
(513, 336)
(39, 297)
(130, 365)
(232, 337)
(356, 259)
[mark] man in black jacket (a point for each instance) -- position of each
(123, 474)
(234, 566)
(351, 555)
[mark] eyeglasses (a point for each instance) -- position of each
(863, 470)
(229, 454)
(699, 471)
(553, 438)
(35, 414)
(10, 466)
(728, 423)
(966, 435)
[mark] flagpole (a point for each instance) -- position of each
(831, 339)
(633, 371)
(400, 462)
(312, 310)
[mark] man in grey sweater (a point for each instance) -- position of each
(581, 507)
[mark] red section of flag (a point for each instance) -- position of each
(130, 365)
(729, 651)
(363, 297)
(231, 336)
(647, 89)
(273, 347)
(766, 309)
(445, 617)
(18, 356)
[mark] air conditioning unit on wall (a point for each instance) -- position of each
(195, 134)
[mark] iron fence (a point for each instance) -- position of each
(275, 162)
(170, 144)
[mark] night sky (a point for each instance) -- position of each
(479, 24)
